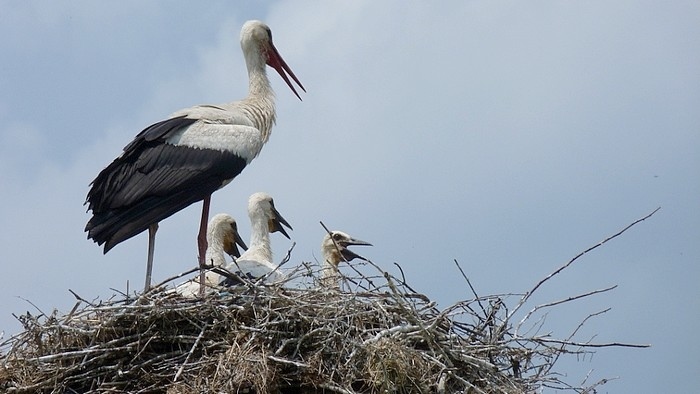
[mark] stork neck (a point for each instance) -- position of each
(260, 101)
(259, 85)
(215, 252)
(330, 275)
(260, 240)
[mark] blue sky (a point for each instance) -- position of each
(506, 135)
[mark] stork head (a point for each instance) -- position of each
(261, 205)
(335, 247)
(256, 43)
(223, 227)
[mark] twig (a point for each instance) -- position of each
(285, 361)
(476, 296)
(592, 345)
(558, 270)
(32, 304)
(172, 278)
(335, 388)
(554, 303)
(284, 261)
(79, 298)
(393, 330)
(187, 359)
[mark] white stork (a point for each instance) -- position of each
(335, 250)
(256, 262)
(184, 159)
(222, 238)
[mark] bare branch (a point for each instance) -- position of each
(558, 302)
(476, 296)
(563, 267)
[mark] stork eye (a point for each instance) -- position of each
(337, 237)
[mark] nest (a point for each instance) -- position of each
(375, 335)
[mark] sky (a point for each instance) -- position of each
(509, 136)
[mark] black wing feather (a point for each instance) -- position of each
(160, 131)
(152, 180)
(111, 180)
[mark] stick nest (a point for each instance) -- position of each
(376, 335)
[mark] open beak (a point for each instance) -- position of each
(274, 60)
(348, 254)
(230, 245)
(277, 222)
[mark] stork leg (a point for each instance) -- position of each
(151, 250)
(202, 244)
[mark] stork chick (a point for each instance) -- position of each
(222, 238)
(335, 250)
(256, 262)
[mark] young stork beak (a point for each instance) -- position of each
(348, 254)
(276, 223)
(231, 239)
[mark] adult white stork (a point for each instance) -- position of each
(184, 159)
(335, 250)
(222, 238)
(256, 262)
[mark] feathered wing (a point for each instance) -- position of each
(110, 181)
(152, 180)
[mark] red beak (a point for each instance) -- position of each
(275, 61)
